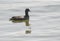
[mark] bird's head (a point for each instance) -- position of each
(27, 10)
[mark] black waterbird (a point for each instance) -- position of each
(16, 18)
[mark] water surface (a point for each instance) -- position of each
(44, 20)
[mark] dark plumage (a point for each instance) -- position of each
(26, 16)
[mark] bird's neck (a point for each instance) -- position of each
(26, 13)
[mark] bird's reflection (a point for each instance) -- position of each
(28, 28)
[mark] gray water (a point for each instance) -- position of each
(44, 20)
